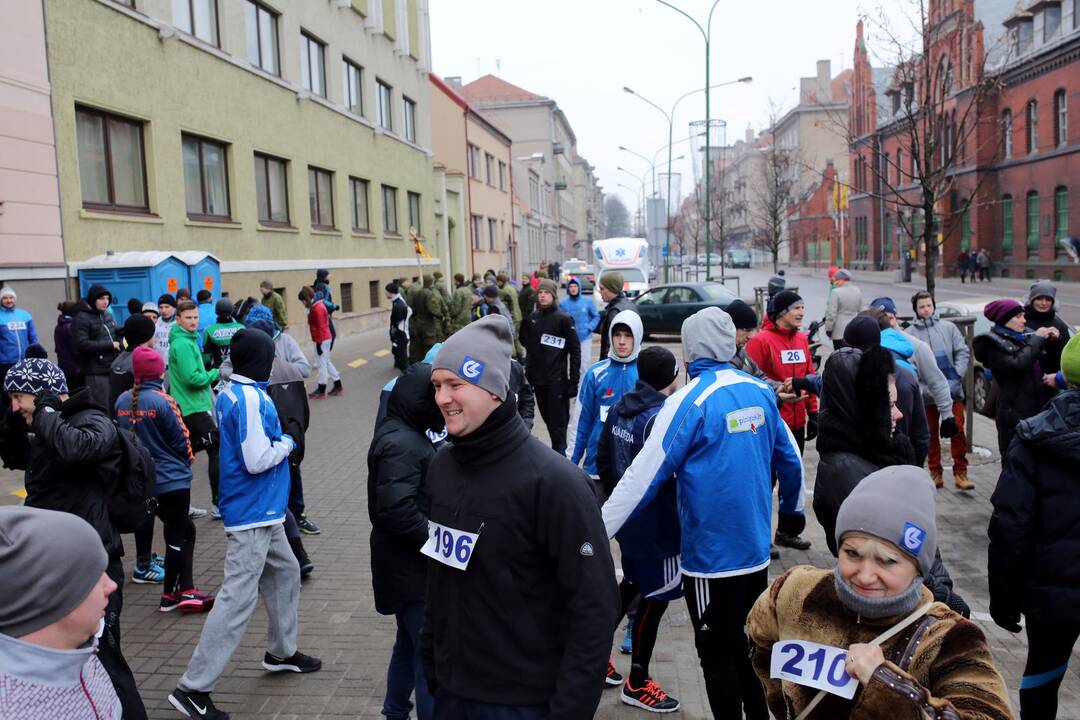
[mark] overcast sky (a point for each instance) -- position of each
(582, 52)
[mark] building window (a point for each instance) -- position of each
(492, 234)
(321, 197)
(502, 176)
(346, 297)
(414, 211)
(489, 169)
(477, 232)
(262, 37)
(1007, 224)
(1032, 126)
(965, 227)
(373, 293)
(272, 189)
(206, 178)
(899, 167)
(1051, 21)
(312, 67)
(534, 191)
(1061, 212)
(408, 118)
(474, 162)
(389, 210)
(352, 81)
(1033, 220)
(1061, 119)
(358, 192)
(1006, 133)
(112, 167)
(198, 18)
(382, 105)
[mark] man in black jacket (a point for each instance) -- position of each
(398, 461)
(518, 551)
(399, 326)
(1034, 533)
(96, 340)
(71, 454)
(551, 341)
(611, 292)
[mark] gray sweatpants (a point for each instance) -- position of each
(257, 561)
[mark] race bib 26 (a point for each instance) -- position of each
(792, 357)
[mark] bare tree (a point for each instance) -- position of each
(772, 197)
(618, 217)
(688, 226)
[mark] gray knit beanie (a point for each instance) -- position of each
(58, 559)
(895, 504)
(479, 353)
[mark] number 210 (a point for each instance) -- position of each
(837, 676)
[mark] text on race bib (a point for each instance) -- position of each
(792, 357)
(813, 665)
(453, 548)
(553, 341)
(750, 419)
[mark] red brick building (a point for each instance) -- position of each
(1017, 160)
(812, 225)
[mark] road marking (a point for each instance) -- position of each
(381, 353)
(358, 362)
(21, 492)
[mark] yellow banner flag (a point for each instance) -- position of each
(418, 247)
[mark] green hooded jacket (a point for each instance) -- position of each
(189, 380)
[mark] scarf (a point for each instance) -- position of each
(876, 608)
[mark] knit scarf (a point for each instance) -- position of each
(876, 608)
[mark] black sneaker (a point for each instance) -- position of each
(306, 526)
(791, 541)
(649, 696)
(298, 663)
(613, 678)
(196, 705)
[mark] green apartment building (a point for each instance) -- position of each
(279, 135)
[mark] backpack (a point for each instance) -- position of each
(134, 498)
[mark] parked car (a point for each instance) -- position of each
(584, 273)
(984, 395)
(663, 308)
(739, 258)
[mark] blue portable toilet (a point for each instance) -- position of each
(142, 275)
(204, 272)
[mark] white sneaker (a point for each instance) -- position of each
(194, 512)
(215, 514)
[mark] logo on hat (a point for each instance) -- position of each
(913, 538)
(471, 369)
(586, 550)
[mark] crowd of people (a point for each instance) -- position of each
(492, 550)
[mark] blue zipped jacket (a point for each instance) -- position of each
(160, 427)
(654, 532)
(583, 310)
(722, 436)
(254, 485)
(17, 332)
(604, 383)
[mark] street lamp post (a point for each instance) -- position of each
(637, 197)
(671, 128)
(643, 197)
(652, 165)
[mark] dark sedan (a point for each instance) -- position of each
(663, 308)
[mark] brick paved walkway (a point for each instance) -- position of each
(338, 618)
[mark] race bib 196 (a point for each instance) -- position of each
(553, 341)
(792, 357)
(453, 548)
(813, 665)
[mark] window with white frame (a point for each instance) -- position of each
(1006, 133)
(1061, 118)
(1032, 126)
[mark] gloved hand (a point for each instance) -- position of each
(47, 402)
(955, 602)
(801, 385)
(318, 348)
(571, 390)
(1006, 619)
(811, 426)
(949, 428)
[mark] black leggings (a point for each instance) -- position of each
(179, 540)
(1049, 646)
(646, 628)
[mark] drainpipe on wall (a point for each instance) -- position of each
(468, 196)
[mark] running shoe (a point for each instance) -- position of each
(337, 390)
(215, 514)
(613, 678)
(306, 526)
(791, 541)
(149, 574)
(627, 647)
(195, 601)
(159, 559)
(195, 512)
(196, 705)
(169, 602)
(649, 697)
(298, 663)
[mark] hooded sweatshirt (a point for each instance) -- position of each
(189, 381)
(42, 683)
(908, 395)
(950, 351)
(604, 383)
(159, 425)
(722, 436)
(582, 309)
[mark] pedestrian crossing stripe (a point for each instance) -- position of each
(21, 492)
(381, 353)
(358, 362)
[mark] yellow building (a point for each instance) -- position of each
(280, 136)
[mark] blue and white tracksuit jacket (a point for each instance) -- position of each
(583, 310)
(722, 436)
(17, 332)
(254, 486)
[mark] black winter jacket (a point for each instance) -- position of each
(398, 462)
(550, 338)
(94, 333)
(1035, 526)
(524, 394)
(530, 621)
(1050, 360)
(72, 462)
(1016, 376)
(616, 306)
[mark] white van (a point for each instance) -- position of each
(629, 256)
